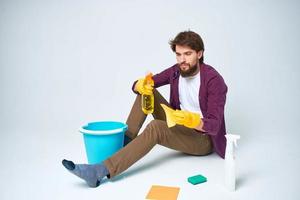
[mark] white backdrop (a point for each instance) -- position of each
(64, 63)
(67, 62)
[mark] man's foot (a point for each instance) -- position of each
(92, 174)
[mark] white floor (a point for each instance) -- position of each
(267, 168)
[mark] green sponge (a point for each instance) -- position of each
(197, 179)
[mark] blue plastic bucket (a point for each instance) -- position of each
(102, 139)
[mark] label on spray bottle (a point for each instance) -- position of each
(148, 99)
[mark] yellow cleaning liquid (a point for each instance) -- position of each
(148, 99)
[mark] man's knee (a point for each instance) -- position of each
(157, 123)
(156, 129)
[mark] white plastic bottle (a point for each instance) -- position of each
(230, 161)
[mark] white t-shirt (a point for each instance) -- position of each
(189, 88)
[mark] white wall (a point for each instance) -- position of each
(64, 63)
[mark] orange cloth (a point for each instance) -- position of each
(158, 192)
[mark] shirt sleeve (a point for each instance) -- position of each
(216, 99)
(163, 78)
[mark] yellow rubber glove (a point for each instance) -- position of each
(144, 86)
(186, 118)
(169, 115)
(181, 117)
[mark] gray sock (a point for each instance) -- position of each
(92, 174)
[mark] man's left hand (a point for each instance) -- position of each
(186, 118)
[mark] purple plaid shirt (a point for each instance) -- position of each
(212, 98)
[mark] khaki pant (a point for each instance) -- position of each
(156, 132)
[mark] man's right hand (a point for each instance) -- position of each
(142, 87)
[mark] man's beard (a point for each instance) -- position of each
(191, 71)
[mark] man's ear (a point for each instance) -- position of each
(199, 54)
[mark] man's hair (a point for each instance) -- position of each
(190, 39)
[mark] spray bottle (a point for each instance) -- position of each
(230, 161)
(148, 98)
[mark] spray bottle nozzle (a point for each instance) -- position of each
(148, 78)
(232, 138)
